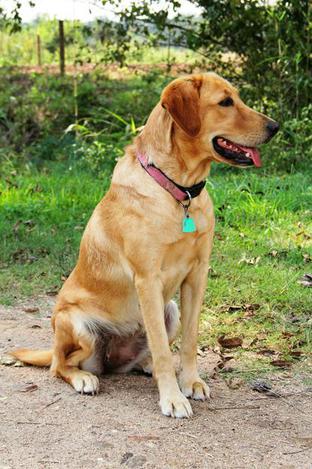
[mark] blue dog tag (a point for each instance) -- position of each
(188, 225)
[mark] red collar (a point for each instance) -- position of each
(178, 192)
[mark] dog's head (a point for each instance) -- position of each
(208, 110)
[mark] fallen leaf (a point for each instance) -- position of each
(304, 234)
(273, 253)
(234, 383)
(250, 261)
(293, 318)
(281, 363)
(266, 352)
(226, 358)
(31, 309)
(125, 457)
(28, 387)
(234, 308)
(252, 306)
(212, 273)
(29, 222)
(248, 314)
(230, 308)
(306, 280)
(248, 343)
(264, 387)
(230, 342)
(51, 292)
(261, 336)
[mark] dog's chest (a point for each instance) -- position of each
(178, 261)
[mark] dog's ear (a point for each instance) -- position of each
(181, 99)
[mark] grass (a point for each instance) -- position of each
(52, 181)
(262, 247)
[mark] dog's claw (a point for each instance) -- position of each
(195, 389)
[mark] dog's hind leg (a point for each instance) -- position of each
(172, 320)
(70, 350)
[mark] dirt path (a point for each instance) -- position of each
(45, 424)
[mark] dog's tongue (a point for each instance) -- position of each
(254, 155)
(250, 152)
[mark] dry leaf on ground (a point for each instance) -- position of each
(230, 342)
(31, 309)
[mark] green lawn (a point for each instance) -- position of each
(52, 180)
(262, 247)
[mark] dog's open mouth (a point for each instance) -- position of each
(238, 154)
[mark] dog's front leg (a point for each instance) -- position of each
(172, 402)
(192, 293)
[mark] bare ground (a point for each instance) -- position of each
(44, 423)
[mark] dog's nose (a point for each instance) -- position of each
(272, 127)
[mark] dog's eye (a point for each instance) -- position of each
(226, 102)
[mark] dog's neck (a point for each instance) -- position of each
(168, 148)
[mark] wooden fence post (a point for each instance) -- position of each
(62, 47)
(38, 50)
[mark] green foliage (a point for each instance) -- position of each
(96, 42)
(36, 109)
(265, 45)
(38, 125)
(292, 146)
(12, 20)
(262, 247)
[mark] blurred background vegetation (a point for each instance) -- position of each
(60, 136)
(263, 47)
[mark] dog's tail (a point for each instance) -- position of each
(34, 357)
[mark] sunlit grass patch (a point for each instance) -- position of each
(261, 249)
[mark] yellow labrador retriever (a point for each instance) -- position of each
(148, 238)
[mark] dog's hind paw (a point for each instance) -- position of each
(85, 383)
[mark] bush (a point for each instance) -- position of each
(35, 111)
(97, 157)
(291, 148)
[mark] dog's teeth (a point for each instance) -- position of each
(248, 155)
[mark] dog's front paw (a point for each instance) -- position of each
(85, 382)
(195, 388)
(175, 406)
